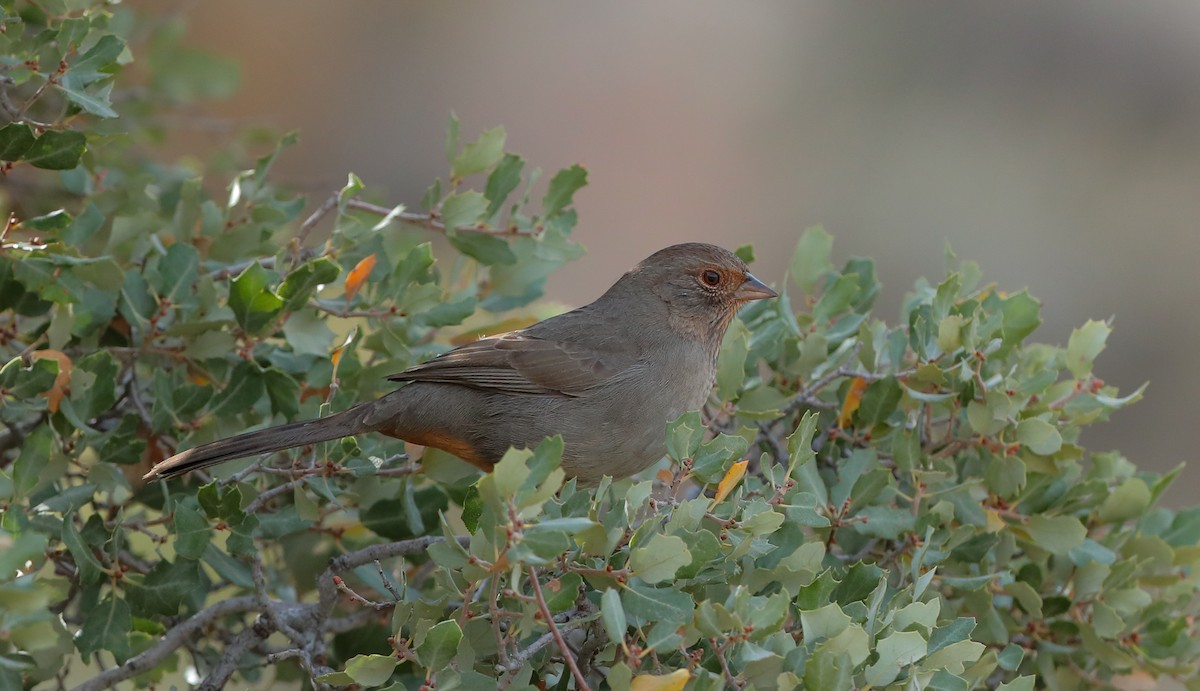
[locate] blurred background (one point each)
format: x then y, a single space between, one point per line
1056 143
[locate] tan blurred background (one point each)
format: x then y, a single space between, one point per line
1057 144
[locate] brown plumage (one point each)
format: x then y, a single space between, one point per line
607 376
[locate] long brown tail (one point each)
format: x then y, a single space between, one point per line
344 424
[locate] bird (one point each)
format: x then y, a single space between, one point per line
606 376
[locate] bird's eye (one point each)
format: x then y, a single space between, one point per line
711 278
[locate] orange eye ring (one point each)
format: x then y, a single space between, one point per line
710 278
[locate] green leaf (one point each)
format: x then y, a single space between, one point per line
254 305
1010 658
879 401
480 155
811 260
106 627
98 62
684 435
1128 501
836 298
463 209
56 150
562 189
644 604
175 273
731 363
716 454
1085 344
95 101
612 615
487 249
502 181
828 670
306 332
15 139
439 646
1026 597
388 517
826 622
192 532
28 382
283 392
1039 436
165 588
1057 534
1022 314
300 284
958 630
659 558
90 568
366 670
245 387
1025 683
885 522
93 385
896 652
906 449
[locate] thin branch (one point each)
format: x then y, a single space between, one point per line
248 638
351 560
311 222
430 221
175 637
568 656
239 267
268 495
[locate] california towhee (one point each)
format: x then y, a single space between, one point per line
607 377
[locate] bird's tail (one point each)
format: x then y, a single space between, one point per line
289 436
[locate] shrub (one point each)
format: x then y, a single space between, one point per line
863 505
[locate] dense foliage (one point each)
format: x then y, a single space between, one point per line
860 505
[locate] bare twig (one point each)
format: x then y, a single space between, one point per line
387 582
270 494
351 560
311 222
568 656
175 637
248 638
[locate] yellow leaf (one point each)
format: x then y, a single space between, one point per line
733 476
853 398
663 682
994 522
358 276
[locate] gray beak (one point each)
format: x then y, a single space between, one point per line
753 289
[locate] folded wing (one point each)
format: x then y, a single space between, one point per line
519 363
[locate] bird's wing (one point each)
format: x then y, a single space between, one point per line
521 363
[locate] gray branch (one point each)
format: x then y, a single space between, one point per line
175 637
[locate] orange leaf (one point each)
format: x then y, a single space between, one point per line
853 398
337 352
358 276
732 476
55 393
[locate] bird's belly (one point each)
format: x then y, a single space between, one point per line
616 432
